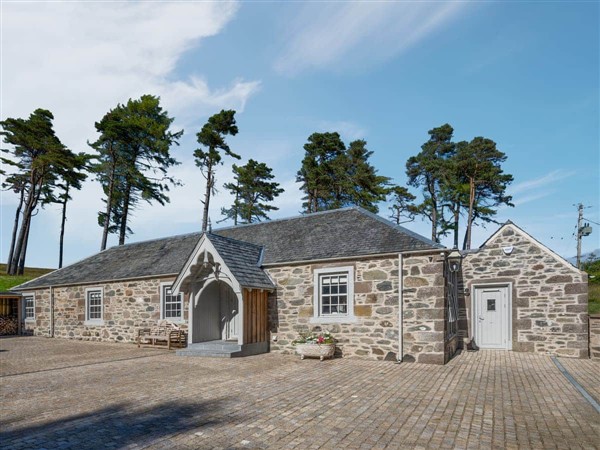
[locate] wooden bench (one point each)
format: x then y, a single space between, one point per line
163 333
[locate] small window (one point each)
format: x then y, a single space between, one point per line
491 305
171 305
29 306
93 306
334 289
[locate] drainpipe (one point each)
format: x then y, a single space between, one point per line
400 309
51 311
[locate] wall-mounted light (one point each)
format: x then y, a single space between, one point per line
454 259
508 250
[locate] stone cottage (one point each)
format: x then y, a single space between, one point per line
382 290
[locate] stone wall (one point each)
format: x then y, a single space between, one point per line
127 306
373 333
595 336
549 296
424 309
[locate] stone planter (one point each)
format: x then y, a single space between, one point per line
320 351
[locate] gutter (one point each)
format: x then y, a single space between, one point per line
400 308
52 311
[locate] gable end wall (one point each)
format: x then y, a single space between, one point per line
549 297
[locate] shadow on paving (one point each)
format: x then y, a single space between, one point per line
114 427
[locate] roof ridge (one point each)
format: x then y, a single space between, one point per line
283 219
145 241
211 234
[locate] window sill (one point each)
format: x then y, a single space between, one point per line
30 320
334 319
94 323
177 321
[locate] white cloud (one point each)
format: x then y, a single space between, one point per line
347 129
338 35
79 59
540 182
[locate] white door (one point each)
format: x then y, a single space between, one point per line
492 317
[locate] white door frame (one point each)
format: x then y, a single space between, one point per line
508 314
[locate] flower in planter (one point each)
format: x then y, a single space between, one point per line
315 338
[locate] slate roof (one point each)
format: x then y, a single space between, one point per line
333 234
156 257
339 233
244 261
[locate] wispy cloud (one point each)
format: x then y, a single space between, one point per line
79 59
328 36
347 129
540 182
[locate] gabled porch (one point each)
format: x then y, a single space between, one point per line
228 311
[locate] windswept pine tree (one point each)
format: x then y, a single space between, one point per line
334 176
402 205
133 161
426 170
212 138
37 160
253 191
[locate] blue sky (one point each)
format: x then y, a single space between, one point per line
523 74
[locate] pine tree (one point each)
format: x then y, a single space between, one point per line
426 169
212 138
253 191
134 158
37 157
334 176
403 209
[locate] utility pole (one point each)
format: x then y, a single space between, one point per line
583 229
579 223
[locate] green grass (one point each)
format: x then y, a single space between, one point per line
9 281
594 298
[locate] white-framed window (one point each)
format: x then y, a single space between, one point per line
29 307
171 306
334 295
94 306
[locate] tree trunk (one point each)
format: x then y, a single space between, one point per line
209 181
123 224
62 227
467 241
21 268
14 232
14 262
456 221
109 201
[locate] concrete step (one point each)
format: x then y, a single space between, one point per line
223 349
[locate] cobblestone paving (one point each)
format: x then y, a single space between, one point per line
479 400
587 374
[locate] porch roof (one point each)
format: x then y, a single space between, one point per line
243 260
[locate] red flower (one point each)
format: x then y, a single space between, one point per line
321 339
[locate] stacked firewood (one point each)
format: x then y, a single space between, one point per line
8 325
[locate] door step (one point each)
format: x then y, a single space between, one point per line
223 349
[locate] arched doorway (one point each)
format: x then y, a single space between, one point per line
216 313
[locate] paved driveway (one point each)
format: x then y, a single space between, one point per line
63 394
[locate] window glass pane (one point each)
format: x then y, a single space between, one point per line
343 288
325 280
172 305
325 290
326 309
343 279
334 289
94 305
491 305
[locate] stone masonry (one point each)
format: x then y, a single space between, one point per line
374 332
595 336
424 308
549 296
127 306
